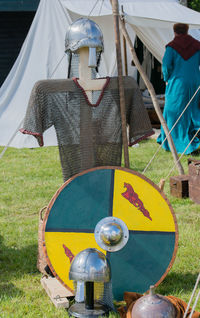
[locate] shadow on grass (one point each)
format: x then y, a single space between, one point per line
15 262
177 282
9 290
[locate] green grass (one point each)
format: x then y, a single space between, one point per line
28 180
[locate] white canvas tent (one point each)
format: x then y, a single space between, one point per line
42 54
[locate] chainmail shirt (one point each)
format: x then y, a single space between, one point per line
89 134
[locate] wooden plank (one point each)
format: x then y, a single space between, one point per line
58 294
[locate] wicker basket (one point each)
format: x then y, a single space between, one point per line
41 260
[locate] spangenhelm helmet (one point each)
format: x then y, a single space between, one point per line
90 265
85 33
91 273
153 306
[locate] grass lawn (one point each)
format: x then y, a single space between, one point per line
28 180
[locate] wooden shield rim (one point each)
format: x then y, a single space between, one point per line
108 168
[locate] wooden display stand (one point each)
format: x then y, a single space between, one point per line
179 186
194 180
184 186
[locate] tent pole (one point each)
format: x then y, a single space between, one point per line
124 47
154 99
115 10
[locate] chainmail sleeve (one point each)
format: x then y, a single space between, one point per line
38 114
139 125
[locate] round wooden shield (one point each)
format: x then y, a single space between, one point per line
92 195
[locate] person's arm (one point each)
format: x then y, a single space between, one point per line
167 63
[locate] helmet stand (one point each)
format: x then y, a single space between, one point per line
88 308
90 266
85 80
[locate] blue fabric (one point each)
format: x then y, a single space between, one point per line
183 78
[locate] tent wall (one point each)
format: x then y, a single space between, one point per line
16 17
42 54
14 27
37 60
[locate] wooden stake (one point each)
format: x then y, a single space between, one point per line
162 184
154 99
115 9
124 49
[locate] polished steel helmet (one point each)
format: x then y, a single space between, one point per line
153 306
84 33
90 265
